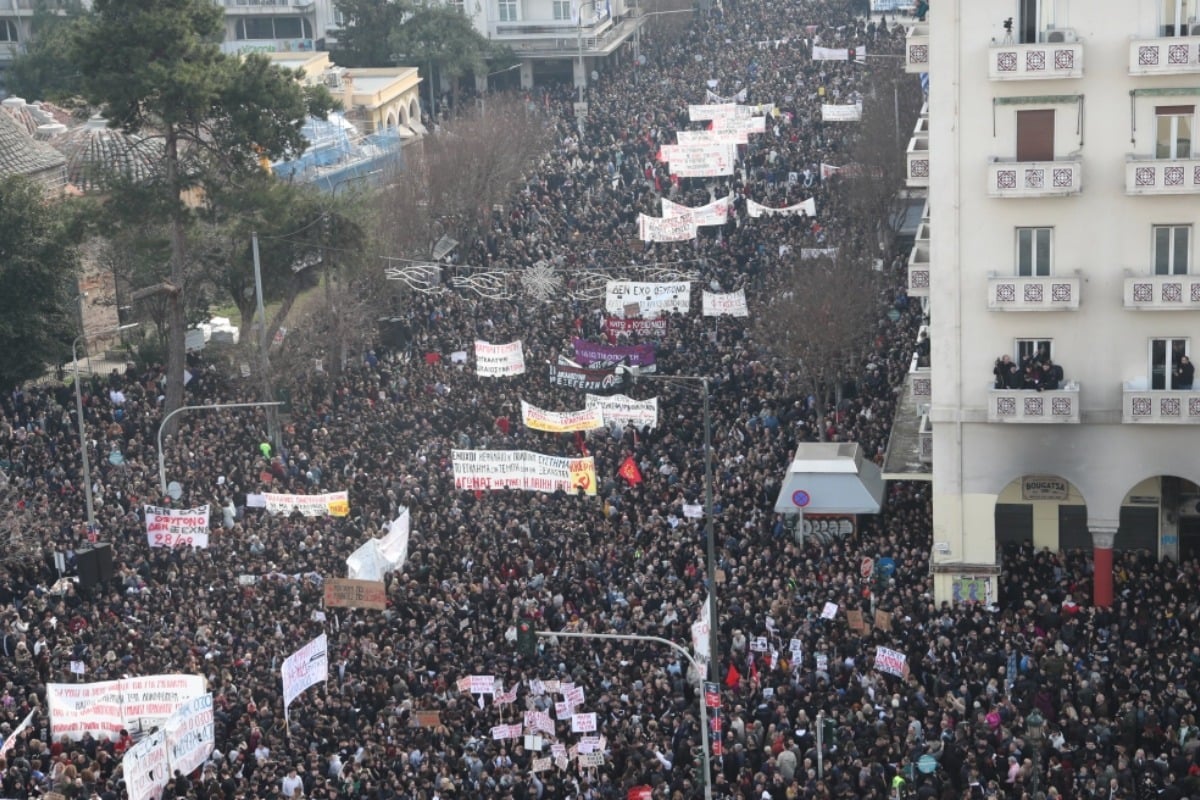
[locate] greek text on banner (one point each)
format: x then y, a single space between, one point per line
560 422
174 527
332 504
488 470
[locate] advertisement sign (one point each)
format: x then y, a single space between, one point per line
1044 487
490 470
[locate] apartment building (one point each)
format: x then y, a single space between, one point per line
1063 175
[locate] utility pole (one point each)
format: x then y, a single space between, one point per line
264 360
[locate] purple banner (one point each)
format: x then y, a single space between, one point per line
636 355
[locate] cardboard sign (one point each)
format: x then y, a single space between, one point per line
854 618
883 620
425 719
350 593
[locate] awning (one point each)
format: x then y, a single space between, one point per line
830 478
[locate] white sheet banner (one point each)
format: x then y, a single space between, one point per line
838 54
711 111
701 630
105 707
686 138
330 504
560 421
176 527
817 252
739 125
890 661
14 737
665 229
625 410
729 304
487 470
191 734
714 213
145 767
756 210
499 360
700 160
841 113
306 667
647 299
394 546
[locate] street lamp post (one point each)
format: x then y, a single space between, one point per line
710 542
83 441
579 37
162 460
632 637
1035 730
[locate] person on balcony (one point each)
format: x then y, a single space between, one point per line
1008 375
1051 377
1185 373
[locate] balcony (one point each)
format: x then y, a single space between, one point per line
1030 62
1026 179
547 37
917 162
916 48
1025 406
921 380
1161 176
1020 293
918 270
925 440
1169 55
253 7
1162 292
1170 407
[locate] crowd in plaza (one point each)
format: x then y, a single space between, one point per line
1115 686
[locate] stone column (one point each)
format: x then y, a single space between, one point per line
1103 534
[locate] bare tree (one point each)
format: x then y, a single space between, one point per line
815 320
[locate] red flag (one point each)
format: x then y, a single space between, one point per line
753 669
733 677
580 443
630 472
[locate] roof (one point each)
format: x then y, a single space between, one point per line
95 150
21 154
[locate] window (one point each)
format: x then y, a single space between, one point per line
1033 252
1172 249
274 28
1173 131
458 6
562 9
8 31
1035 17
339 18
1165 358
1035 135
508 10
1034 348
1175 16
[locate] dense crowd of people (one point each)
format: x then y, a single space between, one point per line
1116 686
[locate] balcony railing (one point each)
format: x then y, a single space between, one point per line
916 48
918 270
1169 55
925 440
1020 293
1043 61
1159 176
1171 407
917 162
1163 292
921 379
1023 405
1025 179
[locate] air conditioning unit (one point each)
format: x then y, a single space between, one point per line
1061 36
1194 30
1189 507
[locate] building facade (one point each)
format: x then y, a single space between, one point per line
1064 196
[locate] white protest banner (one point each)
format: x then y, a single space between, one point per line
106 707
587 760
560 421
394 546
693 510
145 767
583 723
838 54
737 130
306 667
756 210
481 684
890 661
822 662
489 470
665 229
574 695
650 299
499 360
625 410
714 213
191 734
759 645
78 668
829 611
540 765
841 113
171 527
697 137
330 504
701 630
807 253
728 304
563 710
700 160
828 170
14 737
700 113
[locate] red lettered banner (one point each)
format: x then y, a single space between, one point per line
169 527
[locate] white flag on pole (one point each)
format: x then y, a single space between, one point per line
304 668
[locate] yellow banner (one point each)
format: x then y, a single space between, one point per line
561 422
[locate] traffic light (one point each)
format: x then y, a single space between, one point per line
852 55
526 638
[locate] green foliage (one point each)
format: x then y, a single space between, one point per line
44 71
445 37
38 266
365 40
